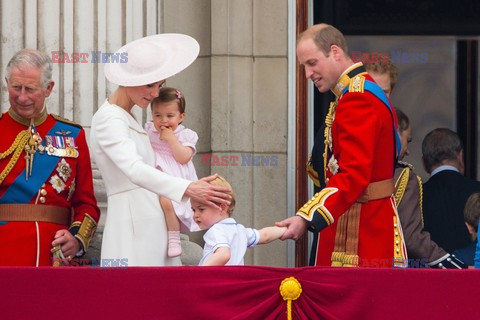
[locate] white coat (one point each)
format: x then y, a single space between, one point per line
135 227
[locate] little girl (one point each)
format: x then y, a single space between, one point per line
174 147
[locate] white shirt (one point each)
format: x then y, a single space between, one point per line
443 168
228 233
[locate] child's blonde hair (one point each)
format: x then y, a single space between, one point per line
471 213
220 181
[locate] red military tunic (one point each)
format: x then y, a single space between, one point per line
65 183
361 151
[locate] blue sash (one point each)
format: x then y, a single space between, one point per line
21 190
374 89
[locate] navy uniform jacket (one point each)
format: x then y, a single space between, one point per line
444 198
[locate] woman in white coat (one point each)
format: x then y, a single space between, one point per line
135 232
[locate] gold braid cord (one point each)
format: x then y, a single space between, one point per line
401 185
16 148
420 197
328 134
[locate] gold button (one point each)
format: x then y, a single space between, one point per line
396 234
42 199
43 192
397 242
395 225
398 250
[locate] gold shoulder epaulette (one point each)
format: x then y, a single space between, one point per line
357 84
405 164
58 118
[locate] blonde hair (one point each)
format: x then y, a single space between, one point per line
472 210
221 182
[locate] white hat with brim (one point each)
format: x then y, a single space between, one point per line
151 59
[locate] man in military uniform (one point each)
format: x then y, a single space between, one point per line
46 177
355 211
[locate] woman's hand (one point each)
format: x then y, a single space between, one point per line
208 194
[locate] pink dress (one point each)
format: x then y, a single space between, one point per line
165 162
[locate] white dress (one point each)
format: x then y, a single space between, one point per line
228 233
135 227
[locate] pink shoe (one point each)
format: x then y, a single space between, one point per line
174 244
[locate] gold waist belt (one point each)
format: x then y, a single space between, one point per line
345 252
32 212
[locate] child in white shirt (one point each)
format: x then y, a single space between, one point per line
226 241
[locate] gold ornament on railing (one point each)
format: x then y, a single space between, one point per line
290 289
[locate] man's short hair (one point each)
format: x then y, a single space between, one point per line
382 66
33 58
439 145
324 36
403 121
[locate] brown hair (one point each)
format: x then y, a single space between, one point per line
440 145
382 66
168 94
324 36
471 213
403 121
220 181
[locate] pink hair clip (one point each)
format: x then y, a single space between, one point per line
178 94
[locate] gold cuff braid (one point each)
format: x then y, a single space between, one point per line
86 231
308 210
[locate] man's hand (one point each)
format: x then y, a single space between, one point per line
296 227
68 243
208 194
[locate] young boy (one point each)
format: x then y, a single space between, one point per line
471 215
226 241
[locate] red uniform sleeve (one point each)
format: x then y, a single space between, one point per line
85 210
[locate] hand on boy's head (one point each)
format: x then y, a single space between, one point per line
208 194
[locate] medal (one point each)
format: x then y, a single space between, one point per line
64 170
61 146
57 183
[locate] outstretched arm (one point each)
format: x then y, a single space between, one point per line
270 234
